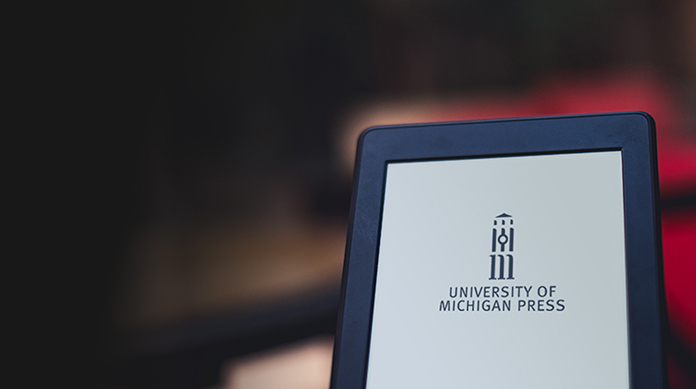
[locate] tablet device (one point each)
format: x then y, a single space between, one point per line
520 253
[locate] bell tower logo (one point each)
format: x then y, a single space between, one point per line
503 244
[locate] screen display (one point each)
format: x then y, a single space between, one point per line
504 272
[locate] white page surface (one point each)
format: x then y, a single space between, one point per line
439 319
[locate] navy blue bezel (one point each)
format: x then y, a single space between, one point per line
632 132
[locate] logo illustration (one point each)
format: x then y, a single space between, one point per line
503 243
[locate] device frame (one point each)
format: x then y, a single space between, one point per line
633 133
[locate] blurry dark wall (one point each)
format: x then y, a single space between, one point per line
230 94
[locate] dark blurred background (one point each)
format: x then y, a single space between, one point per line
219 160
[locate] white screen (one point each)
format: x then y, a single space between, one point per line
563 215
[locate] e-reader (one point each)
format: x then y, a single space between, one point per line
516 253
